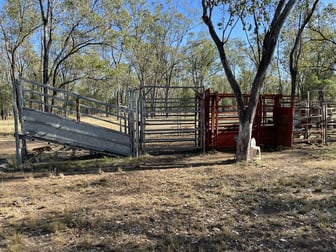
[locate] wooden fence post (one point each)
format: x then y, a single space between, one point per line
16 123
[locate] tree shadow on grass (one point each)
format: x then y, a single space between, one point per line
47 165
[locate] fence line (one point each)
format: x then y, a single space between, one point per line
67 104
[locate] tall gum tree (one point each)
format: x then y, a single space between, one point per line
17 24
69 30
200 61
322 34
265 19
303 16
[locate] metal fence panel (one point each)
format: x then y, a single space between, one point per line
170 118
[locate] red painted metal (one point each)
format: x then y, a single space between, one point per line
273 123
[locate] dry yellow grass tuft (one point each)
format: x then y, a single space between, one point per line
7 126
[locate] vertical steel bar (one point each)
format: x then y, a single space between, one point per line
203 122
137 119
142 119
77 109
324 122
195 119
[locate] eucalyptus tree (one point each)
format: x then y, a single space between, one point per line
68 29
323 32
243 62
101 75
155 41
318 60
106 67
29 61
139 53
265 20
323 36
18 22
200 61
303 15
5 87
167 37
113 52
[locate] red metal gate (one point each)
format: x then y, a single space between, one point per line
273 123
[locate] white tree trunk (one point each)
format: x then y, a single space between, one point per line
243 141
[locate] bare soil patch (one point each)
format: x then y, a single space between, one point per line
181 202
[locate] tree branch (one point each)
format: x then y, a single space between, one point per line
230 76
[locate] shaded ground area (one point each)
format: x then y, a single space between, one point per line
182 202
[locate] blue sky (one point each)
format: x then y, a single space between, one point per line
196 5
193 8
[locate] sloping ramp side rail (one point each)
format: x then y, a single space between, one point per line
53 128
56 115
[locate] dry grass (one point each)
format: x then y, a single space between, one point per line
7 126
7 142
185 202
110 122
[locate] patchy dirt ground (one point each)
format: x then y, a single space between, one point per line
183 202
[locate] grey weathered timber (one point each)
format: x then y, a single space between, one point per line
56 129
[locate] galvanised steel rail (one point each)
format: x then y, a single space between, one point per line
170 120
70 119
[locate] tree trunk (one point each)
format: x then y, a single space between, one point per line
46 44
297 49
243 140
271 36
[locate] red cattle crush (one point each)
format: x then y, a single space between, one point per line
273 123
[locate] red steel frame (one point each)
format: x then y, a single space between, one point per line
273 123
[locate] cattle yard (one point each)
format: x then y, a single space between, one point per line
158 119
179 201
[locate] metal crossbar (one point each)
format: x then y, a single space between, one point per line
170 120
71 119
